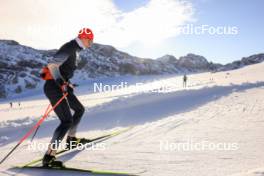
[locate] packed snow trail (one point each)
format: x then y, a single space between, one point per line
228 109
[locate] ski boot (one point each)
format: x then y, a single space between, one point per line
50 161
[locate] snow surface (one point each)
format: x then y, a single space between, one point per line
223 107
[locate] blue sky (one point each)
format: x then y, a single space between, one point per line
246 15
129 5
144 28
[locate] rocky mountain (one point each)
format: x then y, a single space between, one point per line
20 65
254 59
194 62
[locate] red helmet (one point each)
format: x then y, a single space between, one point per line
86 33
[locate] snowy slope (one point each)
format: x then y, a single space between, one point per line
216 108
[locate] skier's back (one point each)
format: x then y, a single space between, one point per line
57 75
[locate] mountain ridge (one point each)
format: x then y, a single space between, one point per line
20 65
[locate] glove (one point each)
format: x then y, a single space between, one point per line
64 87
70 88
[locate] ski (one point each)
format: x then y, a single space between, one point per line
90 171
94 140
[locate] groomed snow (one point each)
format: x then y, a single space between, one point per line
215 108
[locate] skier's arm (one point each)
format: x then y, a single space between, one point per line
59 58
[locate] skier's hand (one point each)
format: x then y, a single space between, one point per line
71 87
64 87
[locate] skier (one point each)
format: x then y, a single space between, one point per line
57 75
184 81
11 104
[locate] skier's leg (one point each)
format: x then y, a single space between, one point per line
63 112
78 108
65 116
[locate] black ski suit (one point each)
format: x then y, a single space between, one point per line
62 69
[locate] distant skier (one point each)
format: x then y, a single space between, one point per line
11 104
185 81
57 75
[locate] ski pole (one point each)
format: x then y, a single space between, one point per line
33 128
34 134
39 125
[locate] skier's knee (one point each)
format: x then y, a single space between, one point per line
80 111
67 124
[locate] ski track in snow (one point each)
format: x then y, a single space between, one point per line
227 109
